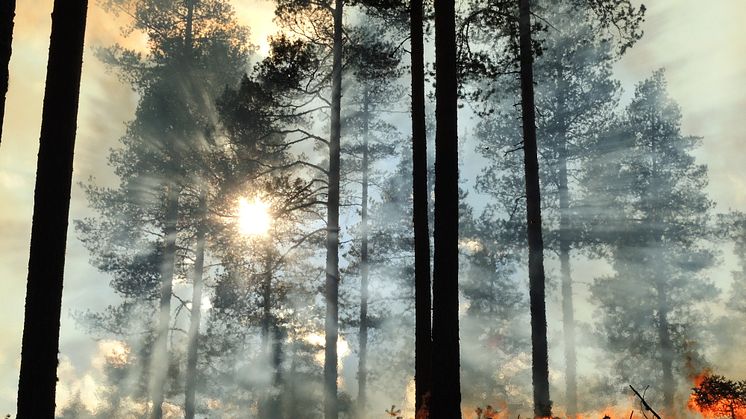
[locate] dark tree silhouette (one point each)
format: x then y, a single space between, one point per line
422 286
331 326
41 328
446 388
539 350
716 395
7 13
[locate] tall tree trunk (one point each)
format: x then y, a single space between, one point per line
540 362
446 385
7 13
196 313
362 372
267 342
292 407
41 327
266 305
331 326
420 212
565 242
568 313
275 408
160 362
664 335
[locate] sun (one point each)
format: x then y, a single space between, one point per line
253 217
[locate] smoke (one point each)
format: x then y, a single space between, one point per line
109 375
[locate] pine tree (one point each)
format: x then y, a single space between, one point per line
300 63
254 121
539 346
652 211
331 329
374 64
192 56
494 321
574 96
392 303
736 231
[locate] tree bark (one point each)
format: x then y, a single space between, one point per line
7 13
446 387
41 327
540 362
331 326
196 314
362 374
420 212
160 362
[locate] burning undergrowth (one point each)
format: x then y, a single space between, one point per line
715 396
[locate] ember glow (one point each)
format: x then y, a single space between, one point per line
253 217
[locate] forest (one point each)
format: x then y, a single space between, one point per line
384 209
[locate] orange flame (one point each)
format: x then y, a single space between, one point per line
722 408
613 412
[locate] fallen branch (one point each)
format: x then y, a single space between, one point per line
644 403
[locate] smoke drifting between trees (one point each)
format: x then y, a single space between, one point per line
269 237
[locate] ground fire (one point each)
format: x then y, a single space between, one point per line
715 396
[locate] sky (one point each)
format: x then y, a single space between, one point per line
702 46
